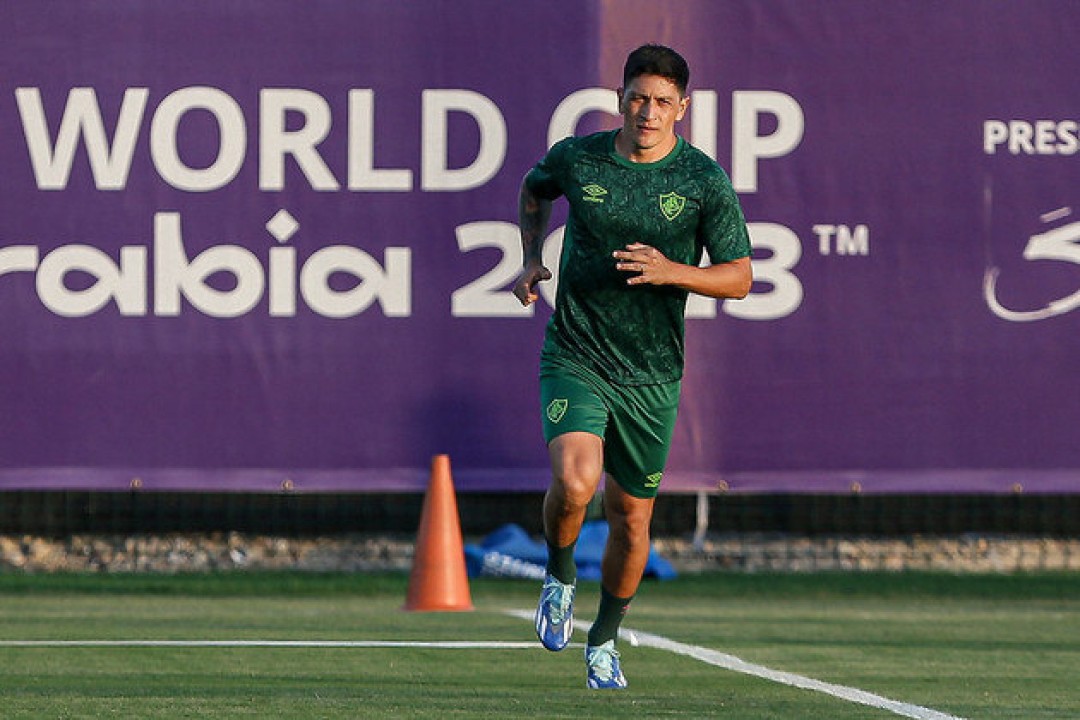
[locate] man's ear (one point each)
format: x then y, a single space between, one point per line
684 104
619 94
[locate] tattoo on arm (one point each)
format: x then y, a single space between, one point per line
533 216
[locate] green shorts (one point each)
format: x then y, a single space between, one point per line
636 422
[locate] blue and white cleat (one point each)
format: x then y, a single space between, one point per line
603 664
555 614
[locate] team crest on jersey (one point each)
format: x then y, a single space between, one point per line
593 193
556 409
671 204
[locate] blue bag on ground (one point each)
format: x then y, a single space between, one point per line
510 552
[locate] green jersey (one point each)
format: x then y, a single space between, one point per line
683 205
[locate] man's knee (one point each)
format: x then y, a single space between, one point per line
577 464
629 519
573 492
629 530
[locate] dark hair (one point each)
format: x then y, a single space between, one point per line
653 59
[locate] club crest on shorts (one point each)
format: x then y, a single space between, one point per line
556 409
671 204
653 480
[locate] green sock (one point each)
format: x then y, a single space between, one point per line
560 564
608 618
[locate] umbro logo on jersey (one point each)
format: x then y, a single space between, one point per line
593 193
671 204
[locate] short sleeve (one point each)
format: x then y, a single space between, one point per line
544 180
723 227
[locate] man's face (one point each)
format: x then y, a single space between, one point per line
650 106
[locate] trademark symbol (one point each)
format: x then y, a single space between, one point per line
843 239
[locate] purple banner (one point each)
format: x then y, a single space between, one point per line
268 245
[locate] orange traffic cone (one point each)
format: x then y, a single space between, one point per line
438 581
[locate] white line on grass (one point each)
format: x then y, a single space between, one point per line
735 664
712 657
447 645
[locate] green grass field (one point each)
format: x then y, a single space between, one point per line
974 647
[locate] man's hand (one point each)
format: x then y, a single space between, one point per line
525 287
651 266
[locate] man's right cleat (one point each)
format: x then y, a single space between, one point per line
602 662
555 614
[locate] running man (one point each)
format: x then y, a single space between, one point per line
644 205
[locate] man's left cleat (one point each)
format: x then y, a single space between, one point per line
602 662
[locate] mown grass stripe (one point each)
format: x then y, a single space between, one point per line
735 664
731 662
